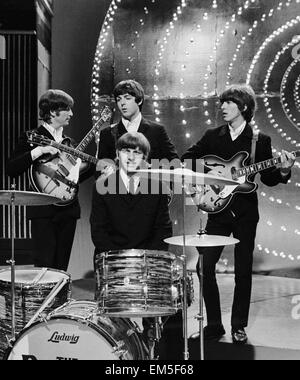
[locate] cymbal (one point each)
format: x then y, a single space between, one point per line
202 241
190 177
26 198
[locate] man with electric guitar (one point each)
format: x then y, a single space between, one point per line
235 151
54 173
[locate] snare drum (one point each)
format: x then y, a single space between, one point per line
32 286
77 331
135 283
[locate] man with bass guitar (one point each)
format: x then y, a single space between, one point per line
235 213
52 227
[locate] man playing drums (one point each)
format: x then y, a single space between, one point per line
130 212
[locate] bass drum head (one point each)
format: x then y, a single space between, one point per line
75 338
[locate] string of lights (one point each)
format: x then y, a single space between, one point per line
284 87
270 116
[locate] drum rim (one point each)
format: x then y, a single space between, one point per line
139 313
135 253
109 339
67 275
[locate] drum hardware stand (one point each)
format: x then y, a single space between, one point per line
59 286
12 263
154 336
200 316
184 259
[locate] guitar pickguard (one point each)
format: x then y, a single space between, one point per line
57 177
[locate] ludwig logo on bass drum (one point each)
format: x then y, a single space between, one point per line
58 338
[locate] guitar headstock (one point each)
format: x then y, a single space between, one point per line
36 139
106 114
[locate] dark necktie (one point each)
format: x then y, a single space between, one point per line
131 186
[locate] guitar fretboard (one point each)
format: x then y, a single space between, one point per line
260 166
106 113
74 152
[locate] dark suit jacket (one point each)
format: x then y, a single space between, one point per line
20 162
161 145
123 221
219 142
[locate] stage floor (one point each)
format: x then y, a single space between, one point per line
274 316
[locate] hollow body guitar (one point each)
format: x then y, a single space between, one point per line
59 175
214 199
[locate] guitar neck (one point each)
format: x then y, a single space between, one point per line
74 152
260 166
89 137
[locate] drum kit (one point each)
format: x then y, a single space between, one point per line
38 319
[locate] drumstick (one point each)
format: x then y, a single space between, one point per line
48 300
39 276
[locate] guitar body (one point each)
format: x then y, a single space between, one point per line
215 199
57 176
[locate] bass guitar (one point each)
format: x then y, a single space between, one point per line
215 199
59 175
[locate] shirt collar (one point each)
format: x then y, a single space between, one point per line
125 179
235 133
132 125
56 133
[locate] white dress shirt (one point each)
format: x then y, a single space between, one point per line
133 125
235 133
126 179
56 133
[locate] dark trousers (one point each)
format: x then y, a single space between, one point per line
53 241
244 230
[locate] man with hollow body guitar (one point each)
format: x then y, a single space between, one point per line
52 227
241 215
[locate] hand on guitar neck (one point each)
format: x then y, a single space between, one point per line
287 162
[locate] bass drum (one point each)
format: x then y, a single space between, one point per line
77 331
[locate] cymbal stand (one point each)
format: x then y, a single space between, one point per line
200 316
184 257
12 209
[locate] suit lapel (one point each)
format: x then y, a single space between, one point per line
44 132
143 126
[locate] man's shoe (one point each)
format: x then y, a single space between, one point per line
239 336
212 333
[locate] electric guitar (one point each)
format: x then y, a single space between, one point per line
215 199
59 175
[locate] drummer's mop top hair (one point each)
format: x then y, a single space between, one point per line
133 141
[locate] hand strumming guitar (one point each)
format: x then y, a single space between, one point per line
41 150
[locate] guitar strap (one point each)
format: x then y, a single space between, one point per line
254 143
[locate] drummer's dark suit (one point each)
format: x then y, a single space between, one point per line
240 218
52 227
161 145
124 221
